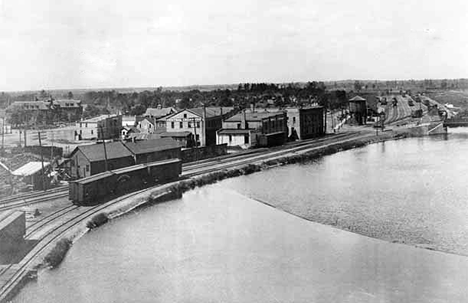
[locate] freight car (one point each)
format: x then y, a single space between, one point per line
96 188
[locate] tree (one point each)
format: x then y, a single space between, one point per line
70 95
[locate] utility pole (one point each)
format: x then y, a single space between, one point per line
196 142
42 161
105 151
3 135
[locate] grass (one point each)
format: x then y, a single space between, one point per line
57 254
248 169
97 220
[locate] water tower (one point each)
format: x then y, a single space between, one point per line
358 109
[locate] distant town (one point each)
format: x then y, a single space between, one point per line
62 133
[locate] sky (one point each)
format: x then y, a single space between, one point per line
146 43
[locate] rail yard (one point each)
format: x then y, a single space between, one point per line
63 212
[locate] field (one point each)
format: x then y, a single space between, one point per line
459 98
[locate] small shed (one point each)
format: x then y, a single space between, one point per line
31 173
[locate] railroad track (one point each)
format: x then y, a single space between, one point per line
27 195
87 212
34 200
300 148
33 228
50 237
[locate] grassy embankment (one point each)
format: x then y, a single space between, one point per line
214 177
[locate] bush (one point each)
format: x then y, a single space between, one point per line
57 254
97 220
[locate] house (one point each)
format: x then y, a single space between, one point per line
68 109
146 125
101 127
154 150
252 128
201 122
127 131
128 121
159 112
305 122
87 160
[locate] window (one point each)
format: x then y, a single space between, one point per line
294 119
92 132
181 124
189 124
238 125
86 124
172 124
87 168
197 137
198 124
185 116
230 138
246 139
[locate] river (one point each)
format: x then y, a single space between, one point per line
219 244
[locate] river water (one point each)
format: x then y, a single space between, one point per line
219 244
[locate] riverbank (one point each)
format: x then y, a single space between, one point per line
175 189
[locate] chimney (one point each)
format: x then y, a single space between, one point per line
243 120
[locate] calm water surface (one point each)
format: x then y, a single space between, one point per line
217 244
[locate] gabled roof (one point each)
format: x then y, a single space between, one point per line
159 112
148 120
150 146
42 105
95 152
357 98
30 169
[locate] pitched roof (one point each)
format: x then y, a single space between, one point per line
150 146
159 112
357 98
43 105
95 152
30 168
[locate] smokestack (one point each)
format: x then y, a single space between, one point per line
243 120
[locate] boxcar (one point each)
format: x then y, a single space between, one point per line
93 189
163 171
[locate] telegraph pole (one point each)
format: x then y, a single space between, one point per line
105 151
42 161
3 135
196 142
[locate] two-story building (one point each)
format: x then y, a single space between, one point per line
251 128
146 126
201 123
101 127
306 122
